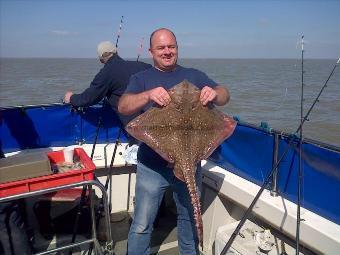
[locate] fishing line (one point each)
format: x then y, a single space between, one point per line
283 100
250 208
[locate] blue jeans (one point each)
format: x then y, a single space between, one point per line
150 187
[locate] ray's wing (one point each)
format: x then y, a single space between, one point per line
221 127
156 130
212 127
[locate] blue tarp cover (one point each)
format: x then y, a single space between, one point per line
247 153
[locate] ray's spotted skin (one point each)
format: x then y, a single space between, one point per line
183 133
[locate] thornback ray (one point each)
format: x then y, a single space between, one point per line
183 133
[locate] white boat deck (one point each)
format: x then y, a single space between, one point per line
225 196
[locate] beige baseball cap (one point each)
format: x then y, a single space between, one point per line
105 46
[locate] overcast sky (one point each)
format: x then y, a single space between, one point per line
204 29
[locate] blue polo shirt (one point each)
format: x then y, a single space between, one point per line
153 78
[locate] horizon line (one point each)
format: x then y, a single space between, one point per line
198 58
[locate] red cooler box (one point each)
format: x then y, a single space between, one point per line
52 180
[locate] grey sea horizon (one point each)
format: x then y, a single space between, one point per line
262 90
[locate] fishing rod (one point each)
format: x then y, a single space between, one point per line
140 49
119 31
101 204
268 178
96 137
298 215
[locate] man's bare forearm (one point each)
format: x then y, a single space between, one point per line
131 103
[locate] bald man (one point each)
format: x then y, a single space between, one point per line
154 174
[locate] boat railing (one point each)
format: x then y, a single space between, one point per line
88 183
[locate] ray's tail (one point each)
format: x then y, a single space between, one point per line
195 201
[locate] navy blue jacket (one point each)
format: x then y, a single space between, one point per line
110 82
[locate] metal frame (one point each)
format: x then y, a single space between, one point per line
108 249
274 190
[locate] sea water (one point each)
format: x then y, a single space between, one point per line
262 90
